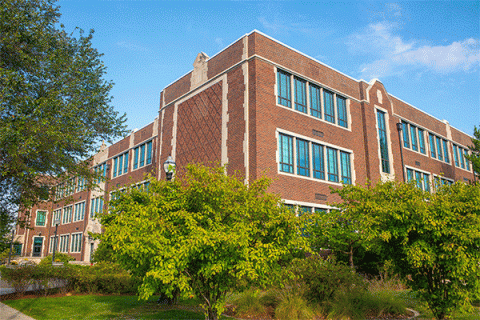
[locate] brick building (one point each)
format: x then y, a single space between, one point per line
264 109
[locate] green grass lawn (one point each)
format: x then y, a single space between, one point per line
103 307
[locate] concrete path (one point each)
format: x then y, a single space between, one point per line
8 313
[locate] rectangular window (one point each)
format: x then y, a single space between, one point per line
315 101
286 153
382 134
467 163
421 140
120 164
328 105
96 207
406 138
149 152
76 242
445 151
332 165
142 155
439 148
67 214
345 165
101 170
79 211
431 138
418 178
304 210
409 175
300 95
318 161
342 111
135 158
413 134
462 159
284 91
115 164
41 217
455 155
64 240
426 182
303 165
53 244
57 214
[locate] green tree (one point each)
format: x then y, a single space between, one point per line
474 157
205 233
55 106
432 238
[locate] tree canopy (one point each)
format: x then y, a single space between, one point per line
55 105
432 238
205 233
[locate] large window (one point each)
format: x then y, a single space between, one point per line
322 103
96 206
413 137
327 162
64 240
439 148
433 152
459 154
142 155
76 242
57 214
67 214
406 137
101 170
120 164
382 136
421 140
41 218
81 184
422 179
53 244
413 134
79 211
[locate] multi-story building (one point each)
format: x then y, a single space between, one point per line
264 109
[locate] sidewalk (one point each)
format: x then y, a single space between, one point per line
8 313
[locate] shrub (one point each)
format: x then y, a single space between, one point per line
59 257
293 307
248 302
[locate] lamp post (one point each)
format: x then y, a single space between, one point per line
55 240
400 129
169 167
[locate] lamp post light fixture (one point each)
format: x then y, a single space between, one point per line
169 167
55 240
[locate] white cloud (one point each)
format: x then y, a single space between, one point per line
394 55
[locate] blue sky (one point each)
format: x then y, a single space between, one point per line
426 53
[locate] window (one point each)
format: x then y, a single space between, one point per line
303 165
17 249
328 104
318 161
96 206
406 139
101 170
304 210
120 164
422 180
57 214
284 90
81 185
41 217
67 214
142 155
332 165
462 159
336 163
315 101
439 148
433 153
467 163
441 181
53 244
300 95
79 211
421 140
59 189
286 153
76 242
413 134
69 187
455 155
445 151
64 239
342 111
382 135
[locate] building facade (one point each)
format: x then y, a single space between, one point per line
263 108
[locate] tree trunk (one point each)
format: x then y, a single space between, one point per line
350 258
211 314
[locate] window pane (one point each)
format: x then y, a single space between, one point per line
426 182
300 95
433 153
135 158
342 111
328 105
283 82
382 134
467 163
445 151
421 140
413 134
462 159
455 155
418 178
125 163
332 165
302 210
409 175
439 148
303 165
315 102
142 155
406 139
120 164
345 165
41 218
149 152
286 153
318 161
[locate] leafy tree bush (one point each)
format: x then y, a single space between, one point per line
204 233
59 257
432 238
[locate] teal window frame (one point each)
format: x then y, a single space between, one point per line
455 155
382 135
315 101
445 151
439 148
342 111
332 164
406 137
467 163
328 104
421 141
345 165
41 218
286 153
300 86
284 91
318 160
413 135
303 158
433 152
